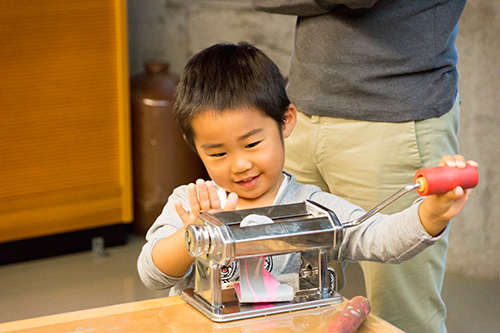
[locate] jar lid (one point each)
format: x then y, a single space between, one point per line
156 66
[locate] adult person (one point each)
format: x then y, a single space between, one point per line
377 81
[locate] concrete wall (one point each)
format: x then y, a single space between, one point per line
174 30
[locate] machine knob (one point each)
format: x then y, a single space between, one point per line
197 240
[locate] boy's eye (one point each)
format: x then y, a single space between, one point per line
217 155
253 144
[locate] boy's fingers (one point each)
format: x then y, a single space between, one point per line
181 212
459 161
458 192
193 198
203 195
212 195
473 163
456 161
232 202
444 160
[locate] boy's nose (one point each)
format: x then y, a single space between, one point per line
240 164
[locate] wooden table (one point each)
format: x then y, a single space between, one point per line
172 314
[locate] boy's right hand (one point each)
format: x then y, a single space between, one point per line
436 210
203 197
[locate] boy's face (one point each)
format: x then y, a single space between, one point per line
243 152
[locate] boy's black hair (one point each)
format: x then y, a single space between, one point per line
227 76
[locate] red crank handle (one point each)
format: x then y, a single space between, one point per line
428 181
442 179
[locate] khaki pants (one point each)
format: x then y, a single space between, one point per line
366 162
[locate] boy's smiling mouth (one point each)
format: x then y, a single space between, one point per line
248 182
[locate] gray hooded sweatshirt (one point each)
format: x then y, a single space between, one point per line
382 238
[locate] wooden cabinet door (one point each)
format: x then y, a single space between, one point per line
65 160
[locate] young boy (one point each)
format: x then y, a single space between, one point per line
234 112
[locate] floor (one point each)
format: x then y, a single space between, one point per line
95 278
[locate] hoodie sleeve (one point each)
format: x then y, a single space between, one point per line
167 223
382 238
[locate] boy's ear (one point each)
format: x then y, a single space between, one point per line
290 121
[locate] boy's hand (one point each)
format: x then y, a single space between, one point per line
203 197
436 210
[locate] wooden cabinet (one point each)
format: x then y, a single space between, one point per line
65 161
